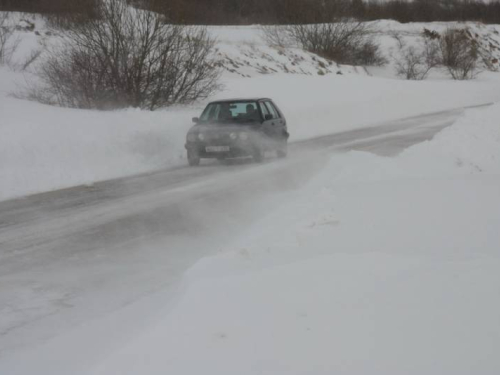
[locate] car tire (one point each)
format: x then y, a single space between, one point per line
193 158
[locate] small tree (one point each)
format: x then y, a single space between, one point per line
8 43
459 54
411 66
128 57
416 62
368 54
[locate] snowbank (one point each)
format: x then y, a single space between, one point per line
45 148
380 265
42 148
487 38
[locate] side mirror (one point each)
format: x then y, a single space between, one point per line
196 120
268 117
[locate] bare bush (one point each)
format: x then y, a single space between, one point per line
431 51
455 50
410 65
30 59
128 58
345 41
275 36
8 43
369 54
416 62
459 53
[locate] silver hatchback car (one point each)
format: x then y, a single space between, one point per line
237 128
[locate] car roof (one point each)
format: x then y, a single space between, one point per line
239 100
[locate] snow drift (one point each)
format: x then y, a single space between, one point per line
379 265
45 148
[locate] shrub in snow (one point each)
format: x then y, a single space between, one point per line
275 36
127 58
459 53
345 41
410 65
8 44
416 62
368 54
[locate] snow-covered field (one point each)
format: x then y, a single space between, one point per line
44 148
379 265
376 266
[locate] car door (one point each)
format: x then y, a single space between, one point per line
278 122
267 125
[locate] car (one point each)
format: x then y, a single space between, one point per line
238 128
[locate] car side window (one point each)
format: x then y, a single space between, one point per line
273 110
264 109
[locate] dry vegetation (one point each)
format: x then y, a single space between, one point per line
58 13
203 12
330 33
455 50
459 54
8 43
345 41
114 56
127 58
416 62
311 11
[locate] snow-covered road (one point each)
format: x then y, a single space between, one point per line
70 256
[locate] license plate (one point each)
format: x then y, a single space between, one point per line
217 149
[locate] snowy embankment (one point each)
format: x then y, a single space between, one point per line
45 148
378 265
486 37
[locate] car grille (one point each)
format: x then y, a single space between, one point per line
217 137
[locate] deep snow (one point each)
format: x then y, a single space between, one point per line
379 265
45 148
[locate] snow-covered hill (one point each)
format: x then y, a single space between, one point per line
369 264
44 148
487 38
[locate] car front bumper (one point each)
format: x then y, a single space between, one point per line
221 150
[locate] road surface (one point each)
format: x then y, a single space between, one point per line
71 256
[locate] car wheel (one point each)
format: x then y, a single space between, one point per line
193 158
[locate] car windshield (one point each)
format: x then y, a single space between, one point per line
231 112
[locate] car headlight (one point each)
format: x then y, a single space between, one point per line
191 137
201 136
233 136
243 136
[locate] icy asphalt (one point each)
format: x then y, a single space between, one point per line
67 257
